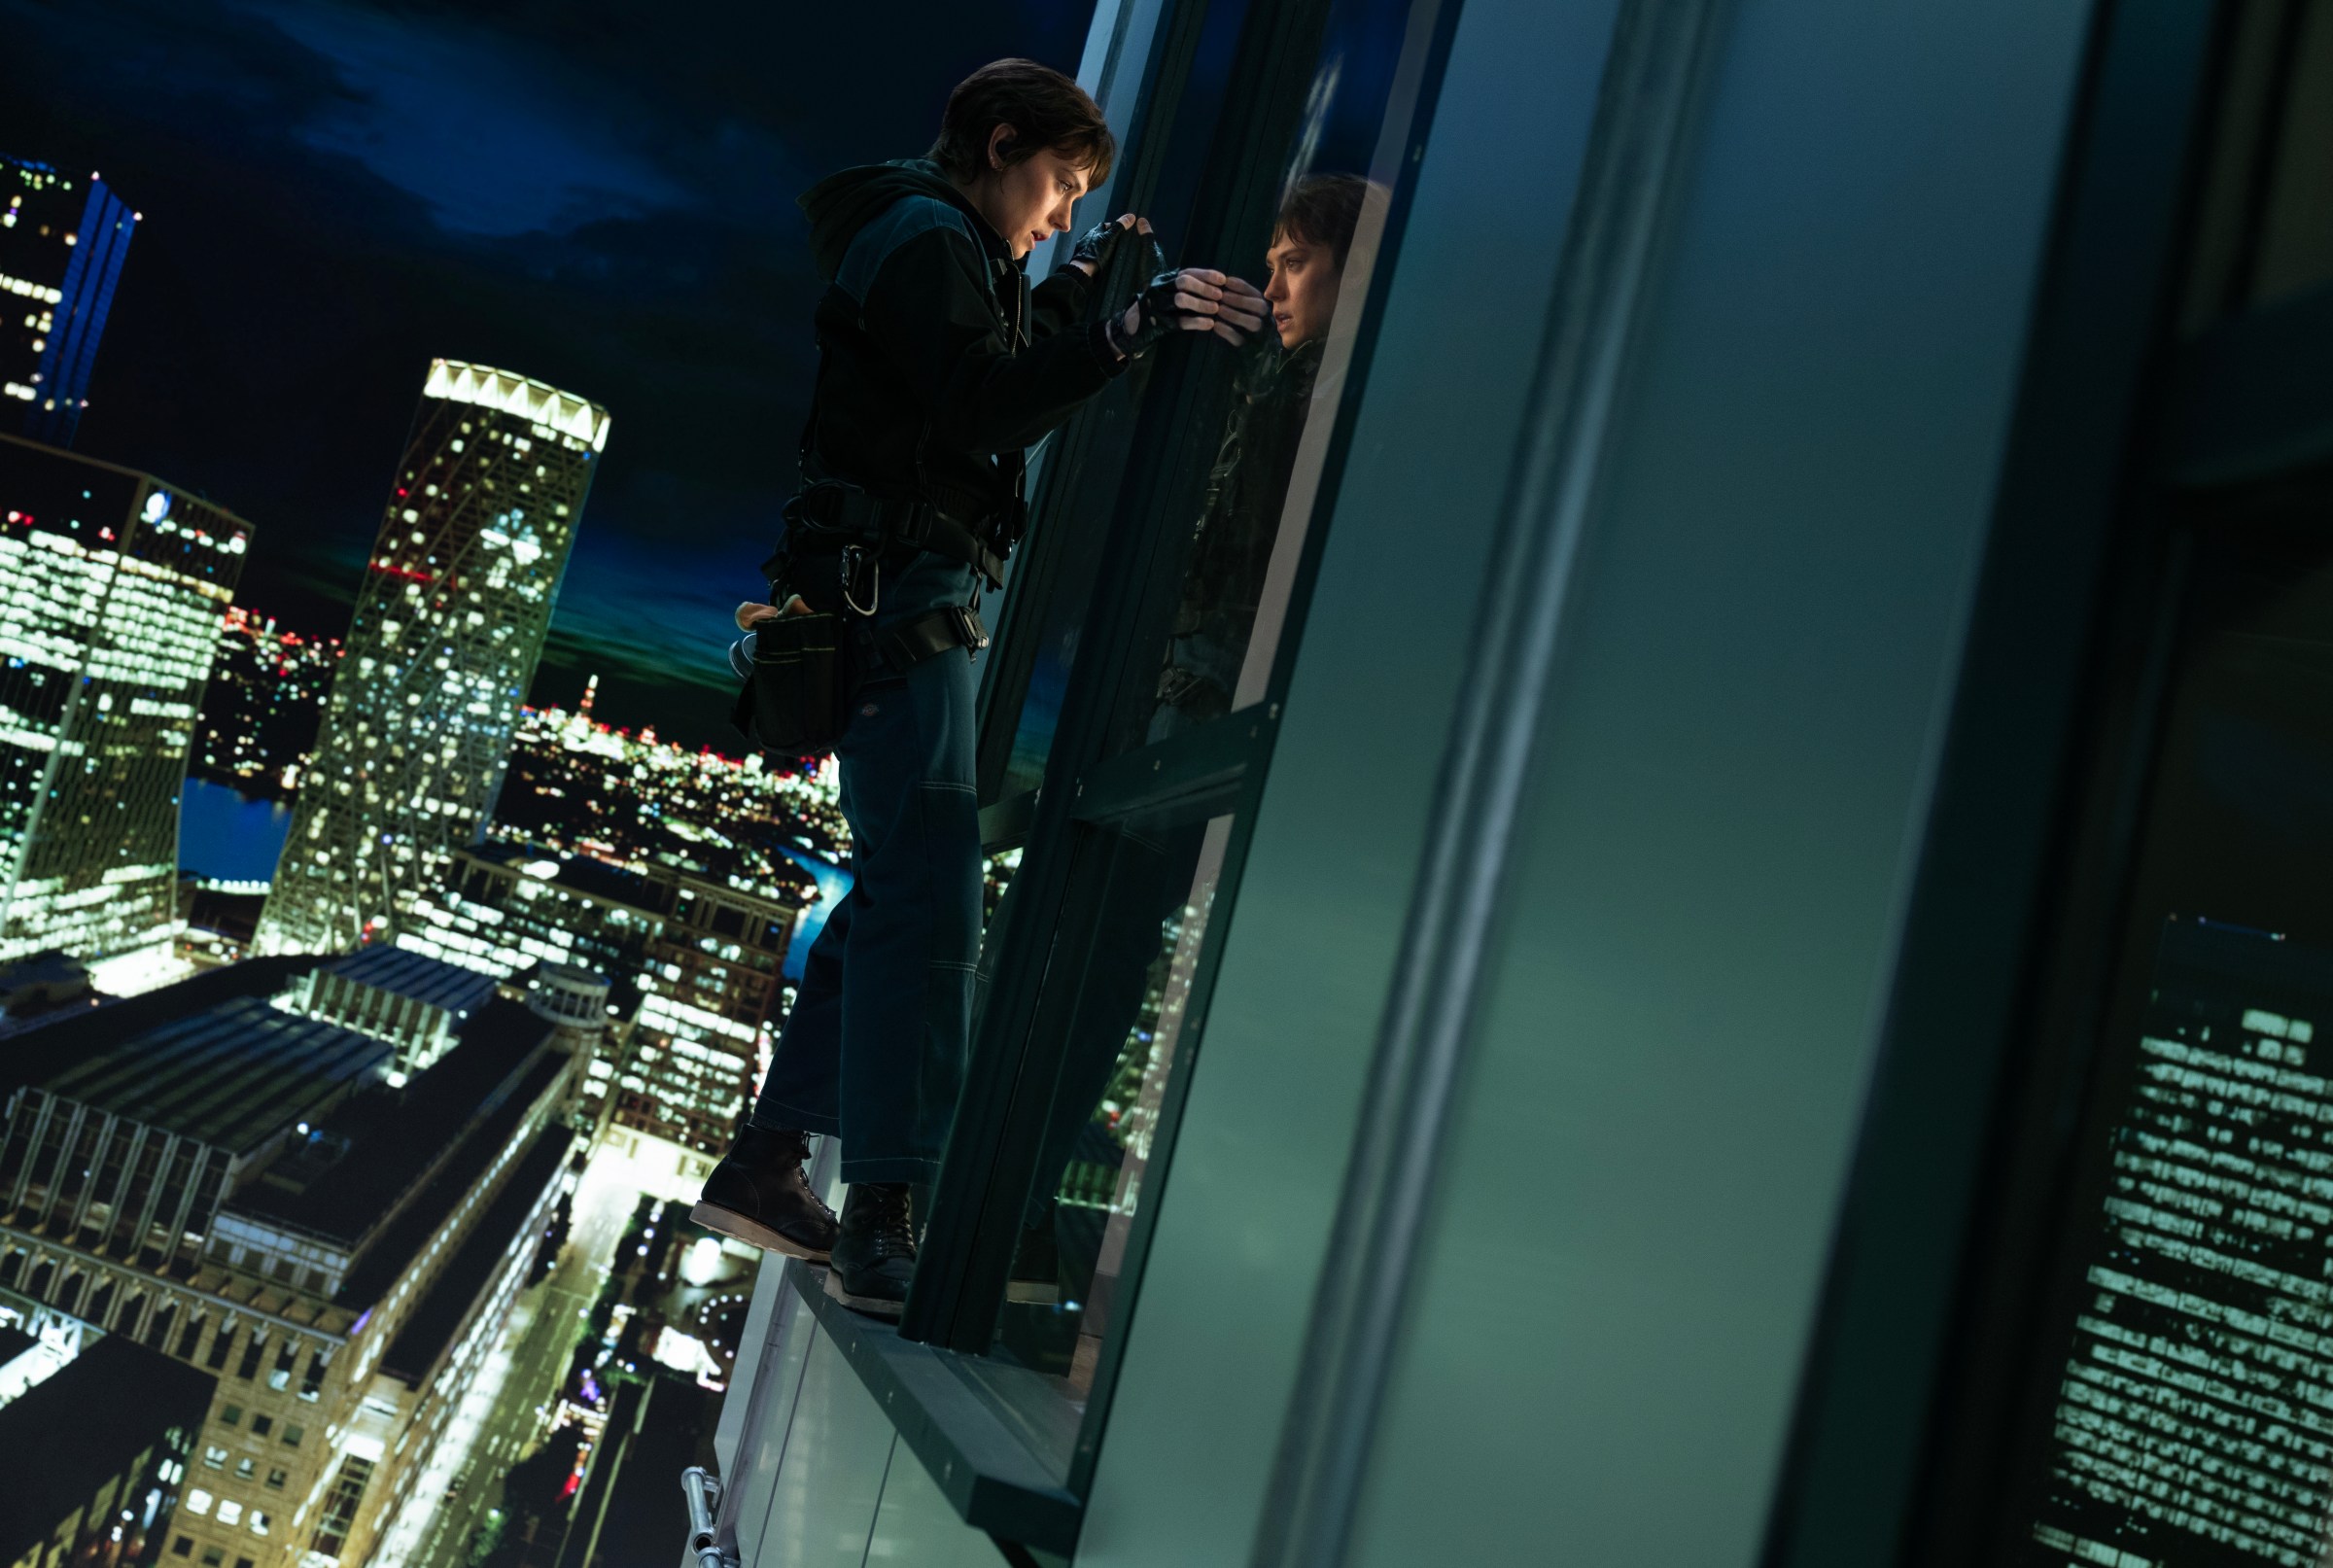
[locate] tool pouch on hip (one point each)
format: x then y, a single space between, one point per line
799 697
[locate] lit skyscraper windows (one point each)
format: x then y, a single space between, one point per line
2192 1422
111 589
63 242
449 626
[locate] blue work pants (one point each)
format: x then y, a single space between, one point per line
874 1050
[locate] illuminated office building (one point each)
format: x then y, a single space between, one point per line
449 626
112 587
62 241
235 1185
703 963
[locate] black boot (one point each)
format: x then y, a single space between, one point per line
875 1252
760 1195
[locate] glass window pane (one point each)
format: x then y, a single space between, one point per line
2182 1416
1265 472
1083 466
1125 1039
1285 170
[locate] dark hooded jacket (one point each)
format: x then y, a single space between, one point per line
1239 523
940 364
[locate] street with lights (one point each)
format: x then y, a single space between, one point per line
508 1404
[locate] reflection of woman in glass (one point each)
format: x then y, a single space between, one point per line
1151 870
1242 514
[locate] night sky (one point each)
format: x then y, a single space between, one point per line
598 193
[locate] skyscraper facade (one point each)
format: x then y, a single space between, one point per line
63 242
449 626
111 589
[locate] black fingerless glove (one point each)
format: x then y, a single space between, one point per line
1096 245
1159 315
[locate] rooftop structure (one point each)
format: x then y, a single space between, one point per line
349 1201
449 626
521 397
40 984
435 1325
131 1149
48 1043
413 1001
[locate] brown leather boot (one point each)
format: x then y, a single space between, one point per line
758 1194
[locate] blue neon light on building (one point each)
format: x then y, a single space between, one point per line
63 242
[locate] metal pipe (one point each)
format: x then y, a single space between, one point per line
703 1489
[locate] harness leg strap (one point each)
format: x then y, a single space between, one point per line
911 641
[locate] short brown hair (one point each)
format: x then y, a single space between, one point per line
1323 209
1045 110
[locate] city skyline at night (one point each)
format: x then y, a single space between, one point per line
333 194
450 1249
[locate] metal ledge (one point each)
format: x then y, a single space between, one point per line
1200 762
961 1418
1006 823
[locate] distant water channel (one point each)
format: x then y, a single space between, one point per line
834 882
225 836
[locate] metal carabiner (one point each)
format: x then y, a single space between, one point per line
853 558
970 631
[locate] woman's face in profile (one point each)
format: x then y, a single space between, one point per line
1303 290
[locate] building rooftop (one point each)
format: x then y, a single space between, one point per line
403 1240
513 394
55 1456
232 1076
45 1045
657 891
429 981
430 1327
49 968
382 1152
595 879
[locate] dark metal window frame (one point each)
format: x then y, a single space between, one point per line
1009 1449
1097 774
1914 1401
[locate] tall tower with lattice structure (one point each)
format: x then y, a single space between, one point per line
449 626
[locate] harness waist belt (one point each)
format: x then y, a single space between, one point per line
844 510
